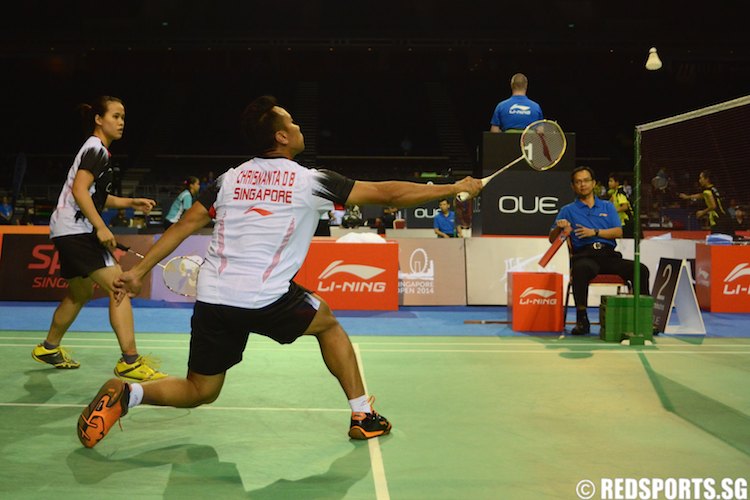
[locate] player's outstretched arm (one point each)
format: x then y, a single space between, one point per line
406 194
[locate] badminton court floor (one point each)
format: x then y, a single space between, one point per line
473 417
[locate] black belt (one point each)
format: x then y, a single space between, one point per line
595 247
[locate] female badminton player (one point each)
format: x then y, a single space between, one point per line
84 242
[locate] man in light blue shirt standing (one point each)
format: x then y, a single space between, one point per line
518 111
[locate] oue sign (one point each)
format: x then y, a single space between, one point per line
535 205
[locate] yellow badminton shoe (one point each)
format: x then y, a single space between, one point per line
142 370
57 357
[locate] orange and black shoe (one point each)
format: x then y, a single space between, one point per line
110 403
368 425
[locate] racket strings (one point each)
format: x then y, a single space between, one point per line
181 275
543 145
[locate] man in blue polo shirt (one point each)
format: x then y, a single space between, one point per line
518 111
444 222
595 226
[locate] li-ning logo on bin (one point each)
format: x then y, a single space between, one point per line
543 297
361 271
738 272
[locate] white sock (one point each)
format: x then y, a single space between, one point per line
136 395
360 404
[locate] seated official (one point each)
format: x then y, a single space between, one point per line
595 225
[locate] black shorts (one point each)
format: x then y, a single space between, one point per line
219 333
81 255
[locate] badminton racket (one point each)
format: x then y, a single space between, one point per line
543 145
180 274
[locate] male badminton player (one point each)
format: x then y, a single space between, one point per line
266 211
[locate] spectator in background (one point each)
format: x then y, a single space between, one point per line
120 220
740 219
518 111
389 215
621 201
718 220
352 217
27 218
444 222
336 215
627 188
6 211
206 181
731 208
183 201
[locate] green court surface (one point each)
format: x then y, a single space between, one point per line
473 417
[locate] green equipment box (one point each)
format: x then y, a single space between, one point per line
616 317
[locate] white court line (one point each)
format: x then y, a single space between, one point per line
202 408
113 339
376 457
623 350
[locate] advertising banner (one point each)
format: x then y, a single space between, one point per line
30 267
522 201
722 277
432 272
353 276
535 302
421 217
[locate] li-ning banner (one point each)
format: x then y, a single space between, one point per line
350 276
30 267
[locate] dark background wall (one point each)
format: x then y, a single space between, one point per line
360 77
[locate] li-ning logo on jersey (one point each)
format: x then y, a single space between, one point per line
544 297
261 211
361 271
738 272
519 109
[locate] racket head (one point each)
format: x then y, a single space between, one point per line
543 144
660 182
180 275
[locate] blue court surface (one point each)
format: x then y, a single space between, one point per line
169 317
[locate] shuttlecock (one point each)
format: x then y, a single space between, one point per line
653 62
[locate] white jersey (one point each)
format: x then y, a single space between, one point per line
266 212
67 217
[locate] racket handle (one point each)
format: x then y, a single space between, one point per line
120 246
462 196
